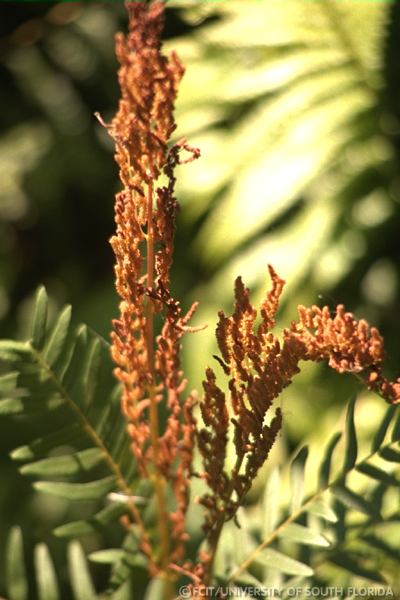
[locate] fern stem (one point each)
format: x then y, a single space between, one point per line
158 479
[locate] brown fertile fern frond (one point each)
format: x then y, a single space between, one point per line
145 212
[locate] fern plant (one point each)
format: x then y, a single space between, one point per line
63 372
123 442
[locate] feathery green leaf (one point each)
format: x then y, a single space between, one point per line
92 441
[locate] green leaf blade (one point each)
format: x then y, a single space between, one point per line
16 578
13 352
351 446
353 564
38 328
30 406
323 510
396 430
270 506
381 433
55 344
390 455
104 517
297 471
378 474
325 467
45 574
354 501
40 447
285 564
94 490
107 557
80 578
66 465
8 383
303 535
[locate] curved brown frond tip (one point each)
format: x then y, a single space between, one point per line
259 366
347 344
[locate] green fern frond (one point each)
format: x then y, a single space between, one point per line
337 526
65 374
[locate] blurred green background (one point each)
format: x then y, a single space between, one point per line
295 105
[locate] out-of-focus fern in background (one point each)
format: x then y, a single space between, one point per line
295 105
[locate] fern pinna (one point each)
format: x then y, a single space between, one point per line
95 453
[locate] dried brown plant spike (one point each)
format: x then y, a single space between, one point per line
250 358
148 366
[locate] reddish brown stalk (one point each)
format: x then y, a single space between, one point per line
150 277
159 484
145 211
